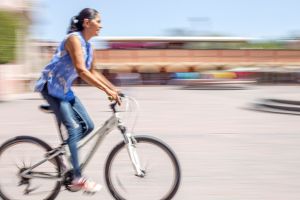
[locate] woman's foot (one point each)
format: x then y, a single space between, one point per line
86 185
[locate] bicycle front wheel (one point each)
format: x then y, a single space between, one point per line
18 155
158 161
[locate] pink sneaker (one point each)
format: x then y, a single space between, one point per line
86 185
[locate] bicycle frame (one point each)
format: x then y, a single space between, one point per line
101 132
113 122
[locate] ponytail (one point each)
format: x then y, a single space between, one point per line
77 21
75 25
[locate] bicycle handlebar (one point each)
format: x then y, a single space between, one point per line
113 105
129 103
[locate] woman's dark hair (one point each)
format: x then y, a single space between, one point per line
77 21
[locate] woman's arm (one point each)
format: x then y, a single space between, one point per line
74 48
100 77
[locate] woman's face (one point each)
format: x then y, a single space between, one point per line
93 26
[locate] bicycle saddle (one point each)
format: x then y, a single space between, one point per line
45 108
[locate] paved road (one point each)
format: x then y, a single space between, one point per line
227 152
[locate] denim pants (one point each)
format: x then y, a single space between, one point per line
75 118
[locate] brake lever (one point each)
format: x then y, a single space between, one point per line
121 94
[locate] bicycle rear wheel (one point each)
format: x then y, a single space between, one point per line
17 155
162 171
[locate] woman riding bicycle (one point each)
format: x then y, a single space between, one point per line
73 59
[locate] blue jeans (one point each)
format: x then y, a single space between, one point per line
76 120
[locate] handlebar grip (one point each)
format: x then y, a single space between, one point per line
110 98
120 95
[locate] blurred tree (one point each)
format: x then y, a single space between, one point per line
8 32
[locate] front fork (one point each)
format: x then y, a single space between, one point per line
131 149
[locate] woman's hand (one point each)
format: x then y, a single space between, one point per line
114 94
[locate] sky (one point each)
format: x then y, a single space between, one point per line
263 19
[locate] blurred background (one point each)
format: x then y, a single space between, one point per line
200 69
197 44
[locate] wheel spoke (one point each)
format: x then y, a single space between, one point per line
17 156
16 165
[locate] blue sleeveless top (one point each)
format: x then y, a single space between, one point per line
60 73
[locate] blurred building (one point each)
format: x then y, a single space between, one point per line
180 54
152 60
152 53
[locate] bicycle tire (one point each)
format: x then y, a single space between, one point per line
32 140
150 140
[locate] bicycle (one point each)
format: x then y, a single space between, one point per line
126 164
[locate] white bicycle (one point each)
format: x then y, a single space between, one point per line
30 169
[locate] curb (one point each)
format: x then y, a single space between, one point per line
280 106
